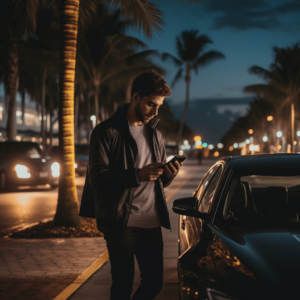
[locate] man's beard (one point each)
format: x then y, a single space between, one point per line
139 113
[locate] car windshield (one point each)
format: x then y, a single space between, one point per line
29 150
82 149
263 198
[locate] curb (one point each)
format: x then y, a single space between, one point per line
103 258
81 279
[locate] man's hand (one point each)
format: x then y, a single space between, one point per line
173 169
150 172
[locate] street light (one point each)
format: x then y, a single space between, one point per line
265 138
298 133
247 141
270 118
197 138
279 134
250 131
93 118
235 145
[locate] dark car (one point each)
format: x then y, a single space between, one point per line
81 157
22 163
239 233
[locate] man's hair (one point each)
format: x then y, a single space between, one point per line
150 82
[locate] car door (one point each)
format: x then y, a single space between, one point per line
189 227
196 265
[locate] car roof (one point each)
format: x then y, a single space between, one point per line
264 161
17 143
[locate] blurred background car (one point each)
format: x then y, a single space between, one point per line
81 157
22 164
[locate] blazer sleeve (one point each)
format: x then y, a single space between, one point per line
100 175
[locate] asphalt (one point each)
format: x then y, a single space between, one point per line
78 268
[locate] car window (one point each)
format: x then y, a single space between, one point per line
205 182
271 197
82 149
206 202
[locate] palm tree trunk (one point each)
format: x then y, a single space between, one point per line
184 111
292 126
76 116
51 124
96 103
43 135
88 120
67 204
13 82
23 105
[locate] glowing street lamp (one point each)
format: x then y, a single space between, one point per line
250 131
235 145
197 138
265 138
279 134
270 118
247 141
93 118
220 145
298 133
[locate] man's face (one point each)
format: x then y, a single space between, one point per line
147 107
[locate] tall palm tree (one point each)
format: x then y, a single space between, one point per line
145 15
191 56
17 19
283 79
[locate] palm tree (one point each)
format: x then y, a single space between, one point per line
283 80
145 15
17 19
190 50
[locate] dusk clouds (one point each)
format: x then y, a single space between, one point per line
249 14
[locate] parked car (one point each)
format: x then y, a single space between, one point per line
239 233
22 163
81 157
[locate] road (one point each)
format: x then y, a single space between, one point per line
25 206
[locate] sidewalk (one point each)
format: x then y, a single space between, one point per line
51 268
98 285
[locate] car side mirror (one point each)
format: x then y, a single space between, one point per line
188 207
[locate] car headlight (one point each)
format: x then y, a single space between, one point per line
55 169
22 171
75 165
217 295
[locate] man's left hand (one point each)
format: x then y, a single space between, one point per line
173 169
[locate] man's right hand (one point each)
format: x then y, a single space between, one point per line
150 172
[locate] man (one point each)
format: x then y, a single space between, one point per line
125 153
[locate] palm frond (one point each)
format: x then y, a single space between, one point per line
87 12
177 77
208 58
140 56
25 14
144 14
166 56
261 72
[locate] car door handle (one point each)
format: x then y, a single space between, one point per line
183 224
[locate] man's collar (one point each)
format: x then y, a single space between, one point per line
121 115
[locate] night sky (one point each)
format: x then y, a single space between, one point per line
243 30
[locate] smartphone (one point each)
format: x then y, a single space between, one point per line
179 158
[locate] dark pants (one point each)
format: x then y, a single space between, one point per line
147 245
